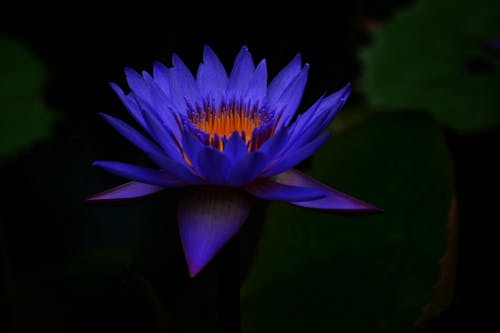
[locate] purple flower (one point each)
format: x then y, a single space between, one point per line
224 139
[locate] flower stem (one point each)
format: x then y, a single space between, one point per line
229 287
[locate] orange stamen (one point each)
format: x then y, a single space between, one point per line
231 118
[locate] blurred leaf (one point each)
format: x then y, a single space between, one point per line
433 57
24 117
322 273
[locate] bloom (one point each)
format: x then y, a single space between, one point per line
224 139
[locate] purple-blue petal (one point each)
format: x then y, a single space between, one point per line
269 189
208 218
274 145
130 104
257 88
247 169
136 138
334 202
283 79
290 99
241 74
137 85
124 193
211 77
162 134
317 119
292 158
235 148
140 174
176 169
192 146
213 165
182 86
160 75
180 170
162 107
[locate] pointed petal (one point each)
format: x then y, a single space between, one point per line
274 145
235 148
269 189
182 85
241 74
293 157
162 134
211 77
137 85
290 98
283 79
247 169
175 169
318 117
140 141
130 104
192 147
140 174
162 107
335 202
124 193
160 75
208 217
257 88
214 166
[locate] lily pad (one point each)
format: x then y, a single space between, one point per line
434 57
25 119
323 273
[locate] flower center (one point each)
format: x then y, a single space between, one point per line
254 124
225 121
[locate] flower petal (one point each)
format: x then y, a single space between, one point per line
269 189
290 99
318 117
182 85
213 165
293 157
283 79
208 217
247 169
192 147
137 85
162 107
235 148
241 74
141 142
163 135
276 143
211 77
335 201
160 75
124 193
140 174
257 87
130 104
178 170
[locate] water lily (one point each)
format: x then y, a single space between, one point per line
225 139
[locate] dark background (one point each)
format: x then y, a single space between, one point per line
87 45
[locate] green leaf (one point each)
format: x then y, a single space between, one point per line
432 57
24 117
323 273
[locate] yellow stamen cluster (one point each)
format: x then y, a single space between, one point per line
224 122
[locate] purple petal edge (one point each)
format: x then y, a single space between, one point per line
270 189
125 193
335 202
208 218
